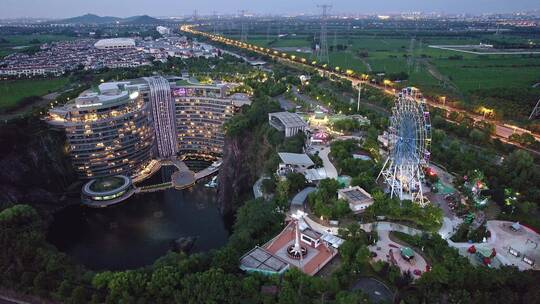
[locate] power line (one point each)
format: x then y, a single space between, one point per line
536 111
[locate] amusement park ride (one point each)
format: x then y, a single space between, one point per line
296 251
409 141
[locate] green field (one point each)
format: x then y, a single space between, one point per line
387 55
467 78
16 43
13 91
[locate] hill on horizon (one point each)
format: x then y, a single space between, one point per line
95 19
143 19
91 19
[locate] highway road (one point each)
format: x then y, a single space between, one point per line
503 130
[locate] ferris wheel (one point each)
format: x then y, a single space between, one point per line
409 143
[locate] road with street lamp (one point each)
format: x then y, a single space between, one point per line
502 131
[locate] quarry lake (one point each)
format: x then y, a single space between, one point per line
143 228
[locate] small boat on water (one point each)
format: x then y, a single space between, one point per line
217 164
212 183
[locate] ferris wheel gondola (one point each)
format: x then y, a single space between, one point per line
409 142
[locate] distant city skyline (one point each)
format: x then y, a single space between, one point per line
124 8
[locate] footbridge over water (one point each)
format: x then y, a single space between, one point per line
180 179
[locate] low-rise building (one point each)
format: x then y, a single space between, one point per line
261 261
293 162
302 247
115 43
27 71
287 122
357 198
59 57
163 30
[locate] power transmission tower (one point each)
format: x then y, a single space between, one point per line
335 40
410 57
268 32
349 32
243 36
215 21
322 53
536 111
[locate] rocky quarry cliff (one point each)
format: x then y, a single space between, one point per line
244 158
34 167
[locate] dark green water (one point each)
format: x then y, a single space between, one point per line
139 230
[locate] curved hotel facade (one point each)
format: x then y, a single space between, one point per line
120 127
108 131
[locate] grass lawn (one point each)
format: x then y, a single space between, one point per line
14 41
13 91
106 184
491 72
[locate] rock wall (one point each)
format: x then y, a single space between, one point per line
243 162
34 167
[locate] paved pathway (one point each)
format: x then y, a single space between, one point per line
10 300
206 172
320 227
300 198
449 227
306 99
389 226
285 104
389 251
331 171
526 241
257 187
377 291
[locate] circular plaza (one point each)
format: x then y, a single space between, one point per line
103 192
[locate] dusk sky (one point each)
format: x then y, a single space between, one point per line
123 8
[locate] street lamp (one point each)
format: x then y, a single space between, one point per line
485 111
443 99
359 96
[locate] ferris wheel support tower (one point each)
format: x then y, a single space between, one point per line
409 142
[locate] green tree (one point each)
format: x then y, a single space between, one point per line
296 182
477 136
282 192
79 295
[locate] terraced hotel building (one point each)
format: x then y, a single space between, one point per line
118 128
201 111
